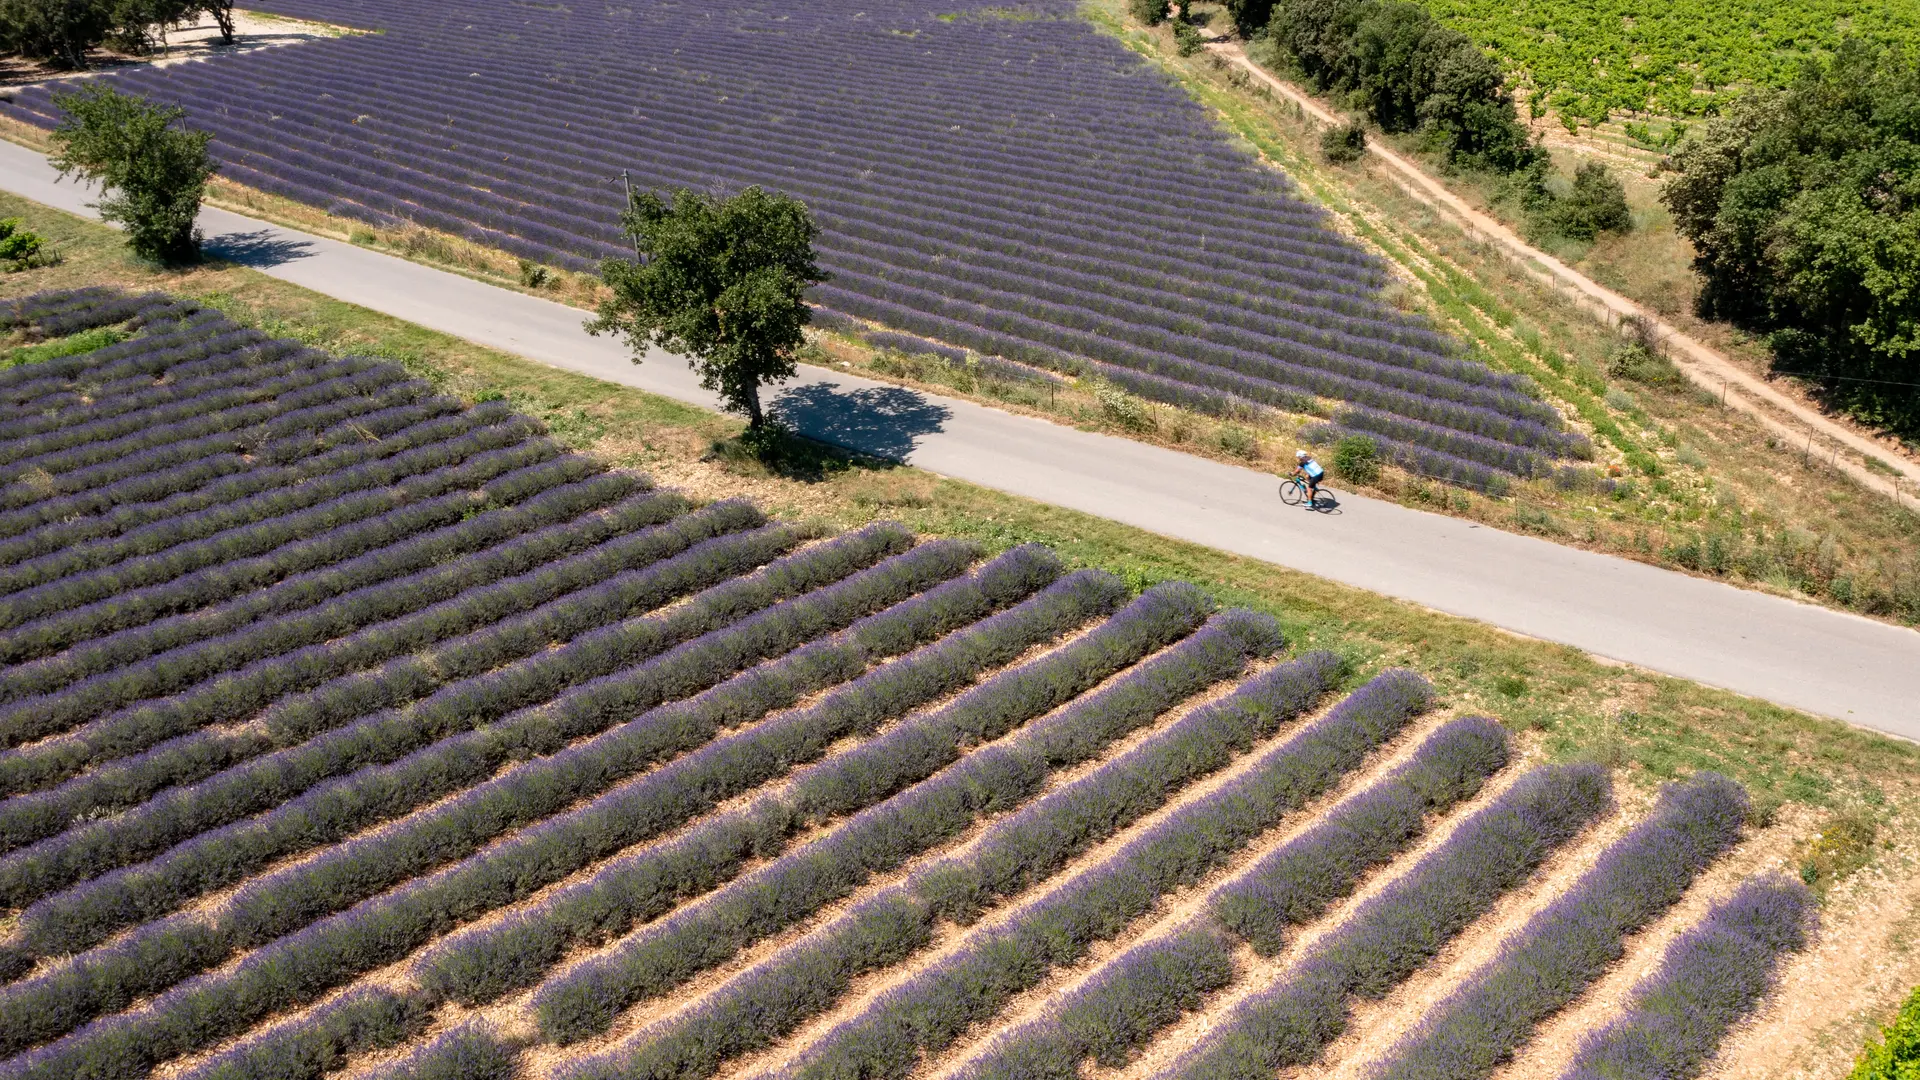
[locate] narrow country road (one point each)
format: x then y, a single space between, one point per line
1808 657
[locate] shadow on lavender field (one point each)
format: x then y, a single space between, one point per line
885 422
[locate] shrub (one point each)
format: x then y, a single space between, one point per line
19 248
1151 12
1595 204
1357 458
1897 1053
1186 38
1344 143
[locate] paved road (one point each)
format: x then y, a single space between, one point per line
1795 654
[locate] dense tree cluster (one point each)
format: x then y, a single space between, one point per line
1401 67
1801 205
62 32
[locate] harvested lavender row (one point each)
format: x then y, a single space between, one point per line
929 1012
60 449
319 605
480 966
289 971
610 823
80 556
1563 949
351 382
1147 987
143 832
163 453
585 999
194 574
1711 977
223 474
1299 881
1399 929
103 519
140 395
278 904
445 678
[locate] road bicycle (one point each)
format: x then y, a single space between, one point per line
1293 492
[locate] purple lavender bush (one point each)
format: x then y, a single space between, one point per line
1563 949
1399 929
1711 976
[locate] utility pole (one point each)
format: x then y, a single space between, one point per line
626 181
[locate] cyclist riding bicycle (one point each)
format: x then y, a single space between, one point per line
1310 471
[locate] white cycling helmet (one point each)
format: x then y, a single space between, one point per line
1299 455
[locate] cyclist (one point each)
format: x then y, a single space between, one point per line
1310 471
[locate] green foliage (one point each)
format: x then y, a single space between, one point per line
1641 357
1123 408
83 342
723 283
1357 458
1842 847
1588 58
152 174
19 249
1897 1055
1238 441
62 32
1406 71
1345 143
533 275
1592 202
1151 12
1186 38
1801 208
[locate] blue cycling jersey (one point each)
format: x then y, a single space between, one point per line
1312 469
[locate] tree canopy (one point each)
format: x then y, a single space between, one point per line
721 281
152 174
1801 205
62 32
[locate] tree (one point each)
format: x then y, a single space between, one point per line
721 281
1803 207
59 32
152 174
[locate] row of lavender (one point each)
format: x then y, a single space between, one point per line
1711 976
1030 191
641 550
177 1017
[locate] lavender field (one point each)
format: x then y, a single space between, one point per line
1001 179
347 730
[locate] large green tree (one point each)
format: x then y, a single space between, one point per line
1802 208
721 281
152 173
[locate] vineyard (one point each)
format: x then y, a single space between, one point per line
1676 59
349 730
1005 181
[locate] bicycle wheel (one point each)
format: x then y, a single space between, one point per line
1292 491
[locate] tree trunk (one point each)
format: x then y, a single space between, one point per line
223 14
754 418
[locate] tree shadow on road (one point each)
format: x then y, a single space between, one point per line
259 250
880 421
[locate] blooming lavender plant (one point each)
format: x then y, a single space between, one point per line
1565 947
1710 977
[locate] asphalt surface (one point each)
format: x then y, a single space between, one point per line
1808 657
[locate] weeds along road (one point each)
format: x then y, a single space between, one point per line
1799 655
